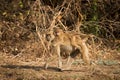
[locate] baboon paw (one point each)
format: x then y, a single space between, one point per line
65 69
60 70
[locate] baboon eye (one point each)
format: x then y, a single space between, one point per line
56 33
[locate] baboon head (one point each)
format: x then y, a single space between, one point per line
56 32
49 36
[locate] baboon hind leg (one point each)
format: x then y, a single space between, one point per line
70 60
85 53
71 57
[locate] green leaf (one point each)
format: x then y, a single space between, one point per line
21 4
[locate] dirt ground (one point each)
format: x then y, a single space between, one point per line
15 68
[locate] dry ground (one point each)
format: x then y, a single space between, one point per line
18 68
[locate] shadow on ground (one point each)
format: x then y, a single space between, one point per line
36 68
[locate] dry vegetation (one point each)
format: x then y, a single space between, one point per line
24 48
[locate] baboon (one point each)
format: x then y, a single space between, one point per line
69 44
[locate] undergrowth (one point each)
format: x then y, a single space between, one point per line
27 21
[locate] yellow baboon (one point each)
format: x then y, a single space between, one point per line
69 43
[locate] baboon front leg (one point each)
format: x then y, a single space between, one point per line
59 57
45 65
